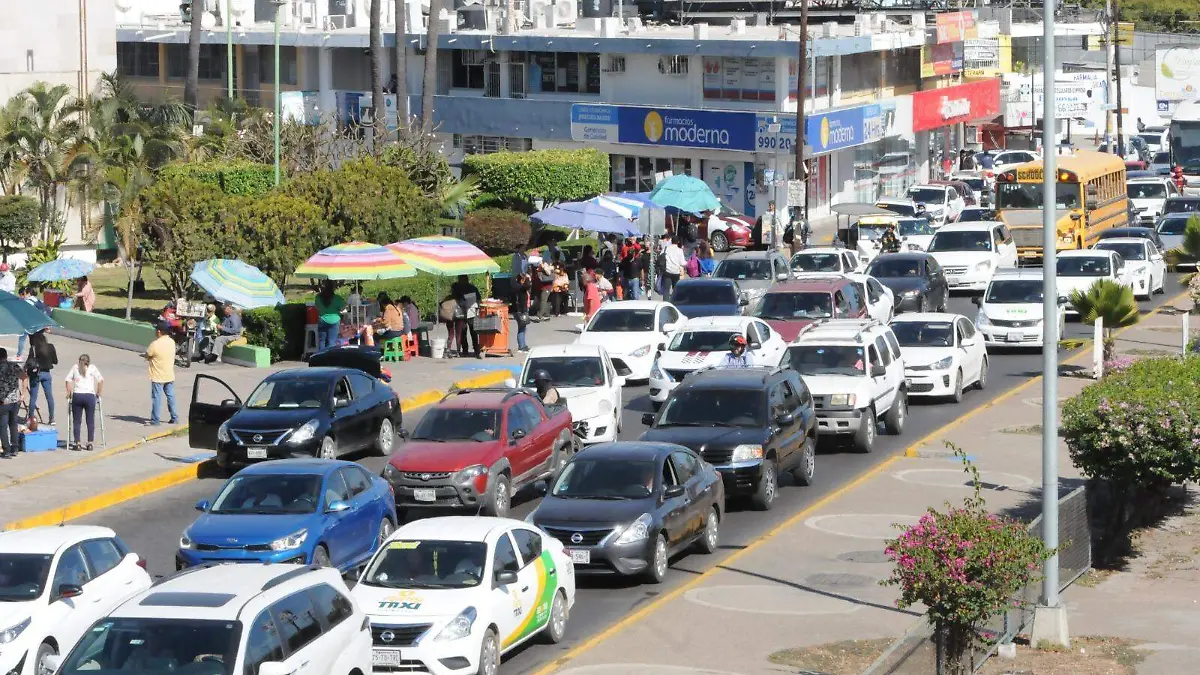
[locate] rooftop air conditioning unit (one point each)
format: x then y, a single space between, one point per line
737 27
566 12
700 31
829 29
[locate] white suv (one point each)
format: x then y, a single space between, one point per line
856 374
221 619
970 253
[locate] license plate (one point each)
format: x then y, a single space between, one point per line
580 556
425 495
385 657
1015 337
256 453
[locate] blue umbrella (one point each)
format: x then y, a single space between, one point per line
685 193
18 317
586 216
236 283
61 269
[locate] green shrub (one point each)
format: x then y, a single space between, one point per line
280 329
247 179
19 221
496 231
549 175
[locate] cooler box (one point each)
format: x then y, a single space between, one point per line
39 441
52 298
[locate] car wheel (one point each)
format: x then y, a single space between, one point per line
385 530
328 449
719 241
807 469
897 415
957 396
656 573
321 556
489 654
386 437
556 627
981 383
768 487
864 440
712 533
499 498
44 652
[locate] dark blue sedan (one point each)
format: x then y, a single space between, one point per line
708 297
307 511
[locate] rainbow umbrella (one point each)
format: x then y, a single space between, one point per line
444 256
356 261
237 283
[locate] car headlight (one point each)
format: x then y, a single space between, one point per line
942 364
658 373
459 627
982 320
293 540
605 406
11 633
223 433
185 542
843 399
391 473
983 266
305 433
470 473
911 293
640 351
746 453
638 530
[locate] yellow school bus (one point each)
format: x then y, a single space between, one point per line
1091 198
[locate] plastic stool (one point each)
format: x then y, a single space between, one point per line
393 350
410 345
310 340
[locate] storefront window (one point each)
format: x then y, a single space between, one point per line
637 174
566 72
884 169
735 78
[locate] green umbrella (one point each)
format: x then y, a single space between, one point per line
18 317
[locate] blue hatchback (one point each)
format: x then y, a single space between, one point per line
308 511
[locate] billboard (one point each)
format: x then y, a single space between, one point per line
1177 74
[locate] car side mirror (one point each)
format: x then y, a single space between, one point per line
782 276
647 418
977 301
743 301
274 668
755 346
68 591
517 434
662 346
619 381
670 327
337 507
785 418
1062 300
229 403
673 491
202 505
351 575
969 342
505 578
878 370
340 402
624 371
1157 257
541 487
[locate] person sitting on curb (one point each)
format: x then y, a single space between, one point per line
231 329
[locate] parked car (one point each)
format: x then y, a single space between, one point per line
789 307
629 507
1080 270
727 229
305 511
943 354
335 406
633 332
1010 310
703 342
754 271
970 253
915 279
585 376
749 423
1145 265
708 297
475 449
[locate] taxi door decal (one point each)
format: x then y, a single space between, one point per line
540 614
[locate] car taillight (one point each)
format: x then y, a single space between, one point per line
141 562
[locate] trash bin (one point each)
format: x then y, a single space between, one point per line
424 346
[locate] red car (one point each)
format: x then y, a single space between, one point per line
477 448
791 305
727 229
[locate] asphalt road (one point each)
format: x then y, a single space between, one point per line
152 525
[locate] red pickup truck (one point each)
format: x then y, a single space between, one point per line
477 448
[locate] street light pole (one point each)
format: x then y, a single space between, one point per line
801 121
278 107
229 44
1116 36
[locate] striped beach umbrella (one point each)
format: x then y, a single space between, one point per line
444 256
356 261
236 283
626 207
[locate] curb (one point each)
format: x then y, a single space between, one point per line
190 472
93 457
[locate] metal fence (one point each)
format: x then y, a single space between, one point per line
917 651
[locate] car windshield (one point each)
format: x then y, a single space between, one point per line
1181 206
1146 190
701 340
1014 291
623 321
744 269
962 240
458 424
888 268
927 195
1029 195
587 478
152 645
826 360
1127 250
970 215
714 408
288 393
870 232
269 494
785 306
23 575
1173 225
817 262
924 333
973 183
1151 138
902 209
704 294
1161 158
914 227
415 564
567 371
1083 266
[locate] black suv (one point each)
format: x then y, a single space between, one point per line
749 423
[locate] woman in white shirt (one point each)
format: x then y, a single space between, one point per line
84 384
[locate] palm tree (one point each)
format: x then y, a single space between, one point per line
164 127
401 66
12 174
47 126
429 81
1111 301
126 175
378 116
191 86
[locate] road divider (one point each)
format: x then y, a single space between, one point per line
193 471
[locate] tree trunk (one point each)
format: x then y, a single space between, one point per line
129 286
191 85
429 81
378 114
401 66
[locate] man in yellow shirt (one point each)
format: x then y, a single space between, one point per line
160 356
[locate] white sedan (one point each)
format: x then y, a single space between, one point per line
704 342
943 354
1079 270
633 332
463 591
56 583
585 376
1145 268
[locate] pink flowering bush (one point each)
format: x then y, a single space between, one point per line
1117 365
965 566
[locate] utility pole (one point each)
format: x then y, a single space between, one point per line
229 45
1108 71
801 168
1116 32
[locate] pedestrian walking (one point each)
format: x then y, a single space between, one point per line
591 294
42 359
708 264
160 359
329 316
521 309
12 378
229 330
467 296
520 264
446 310
29 294
84 386
673 266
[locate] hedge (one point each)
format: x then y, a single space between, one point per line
247 179
550 175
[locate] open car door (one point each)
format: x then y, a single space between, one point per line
213 403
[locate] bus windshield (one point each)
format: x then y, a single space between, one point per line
1185 144
1029 196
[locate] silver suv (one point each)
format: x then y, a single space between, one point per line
754 271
